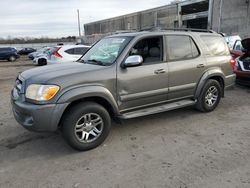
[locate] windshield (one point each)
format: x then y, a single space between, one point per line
106 51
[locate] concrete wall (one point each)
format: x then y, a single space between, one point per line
163 16
228 16
231 17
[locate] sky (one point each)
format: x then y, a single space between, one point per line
58 18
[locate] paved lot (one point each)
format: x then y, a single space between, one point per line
183 148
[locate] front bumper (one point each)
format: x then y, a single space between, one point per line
39 118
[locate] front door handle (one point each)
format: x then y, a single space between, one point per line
200 66
160 71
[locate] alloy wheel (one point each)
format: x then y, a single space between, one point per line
89 127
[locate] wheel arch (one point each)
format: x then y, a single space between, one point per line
212 74
97 94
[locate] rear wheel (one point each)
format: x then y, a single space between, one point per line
12 58
86 126
210 96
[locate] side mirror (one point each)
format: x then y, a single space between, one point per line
132 61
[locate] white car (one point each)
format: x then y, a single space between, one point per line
68 53
231 40
40 51
44 57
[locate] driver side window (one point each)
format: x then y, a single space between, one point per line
150 49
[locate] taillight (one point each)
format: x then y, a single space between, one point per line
232 63
56 53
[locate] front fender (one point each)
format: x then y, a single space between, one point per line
88 91
207 75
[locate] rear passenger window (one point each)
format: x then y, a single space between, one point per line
216 45
80 51
181 48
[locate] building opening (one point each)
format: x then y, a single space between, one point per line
199 23
195 15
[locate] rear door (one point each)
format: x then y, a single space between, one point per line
186 66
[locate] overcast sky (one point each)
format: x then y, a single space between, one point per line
57 18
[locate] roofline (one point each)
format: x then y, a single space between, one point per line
133 13
185 2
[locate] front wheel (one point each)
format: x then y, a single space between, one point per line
210 96
12 58
86 126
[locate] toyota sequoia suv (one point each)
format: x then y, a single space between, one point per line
124 76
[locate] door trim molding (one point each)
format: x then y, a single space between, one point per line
140 95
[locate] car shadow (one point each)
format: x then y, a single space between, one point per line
52 145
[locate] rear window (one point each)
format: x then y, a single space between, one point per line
80 51
70 51
77 51
181 48
216 45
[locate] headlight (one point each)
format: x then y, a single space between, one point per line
41 92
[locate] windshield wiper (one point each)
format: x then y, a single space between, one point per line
80 61
96 62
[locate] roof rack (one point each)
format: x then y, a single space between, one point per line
190 30
123 31
179 29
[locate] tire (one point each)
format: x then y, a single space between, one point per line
210 96
42 62
81 120
12 58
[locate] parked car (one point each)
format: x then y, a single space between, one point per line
242 65
42 58
9 54
68 53
231 40
124 76
237 49
26 51
38 52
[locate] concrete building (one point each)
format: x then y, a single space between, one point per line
226 16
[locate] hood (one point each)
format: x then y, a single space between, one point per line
51 72
246 44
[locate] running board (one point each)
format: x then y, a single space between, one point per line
157 109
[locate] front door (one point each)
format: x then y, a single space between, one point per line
146 84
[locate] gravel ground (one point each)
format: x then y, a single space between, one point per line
182 148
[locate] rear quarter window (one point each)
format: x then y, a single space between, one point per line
80 51
70 51
216 45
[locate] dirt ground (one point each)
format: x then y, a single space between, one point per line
182 148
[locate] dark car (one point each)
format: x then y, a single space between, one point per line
26 51
9 54
242 65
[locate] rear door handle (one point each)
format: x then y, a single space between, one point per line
160 71
200 66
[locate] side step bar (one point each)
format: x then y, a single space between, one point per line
157 109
